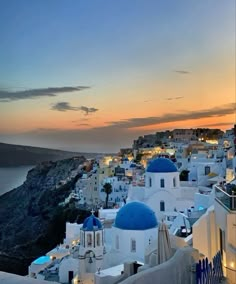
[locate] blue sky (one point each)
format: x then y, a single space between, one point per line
126 52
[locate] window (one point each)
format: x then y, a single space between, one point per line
174 182
207 170
133 245
117 242
162 205
89 240
82 238
98 239
162 182
150 182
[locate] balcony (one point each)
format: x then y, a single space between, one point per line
226 195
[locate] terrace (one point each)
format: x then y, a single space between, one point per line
225 194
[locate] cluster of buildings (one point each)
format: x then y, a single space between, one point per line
187 187
177 135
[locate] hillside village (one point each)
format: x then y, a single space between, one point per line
181 180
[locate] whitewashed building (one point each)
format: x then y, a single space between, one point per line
119 192
216 229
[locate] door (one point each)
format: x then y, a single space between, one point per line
70 276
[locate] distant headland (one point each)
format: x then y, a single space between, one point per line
17 155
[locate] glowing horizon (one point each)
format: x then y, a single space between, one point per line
92 76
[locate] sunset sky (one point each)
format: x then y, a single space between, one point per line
92 75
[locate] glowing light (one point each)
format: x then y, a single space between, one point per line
232 264
213 142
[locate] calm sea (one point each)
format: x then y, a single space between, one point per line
12 177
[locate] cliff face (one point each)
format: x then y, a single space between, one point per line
31 221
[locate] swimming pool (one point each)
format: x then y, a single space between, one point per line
42 259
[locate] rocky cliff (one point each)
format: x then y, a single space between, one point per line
31 220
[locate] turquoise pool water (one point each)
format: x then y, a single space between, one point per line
42 259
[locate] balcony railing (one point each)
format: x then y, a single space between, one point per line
226 196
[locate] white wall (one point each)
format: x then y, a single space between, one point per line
66 265
231 231
156 180
202 200
107 213
136 193
125 236
162 195
176 269
204 234
230 248
172 202
221 215
72 232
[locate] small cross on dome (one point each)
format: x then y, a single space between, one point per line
92 211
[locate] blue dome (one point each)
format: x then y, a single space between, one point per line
92 223
135 216
133 165
161 165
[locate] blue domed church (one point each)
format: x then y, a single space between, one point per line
91 245
162 191
161 173
135 227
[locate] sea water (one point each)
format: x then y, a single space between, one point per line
12 177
